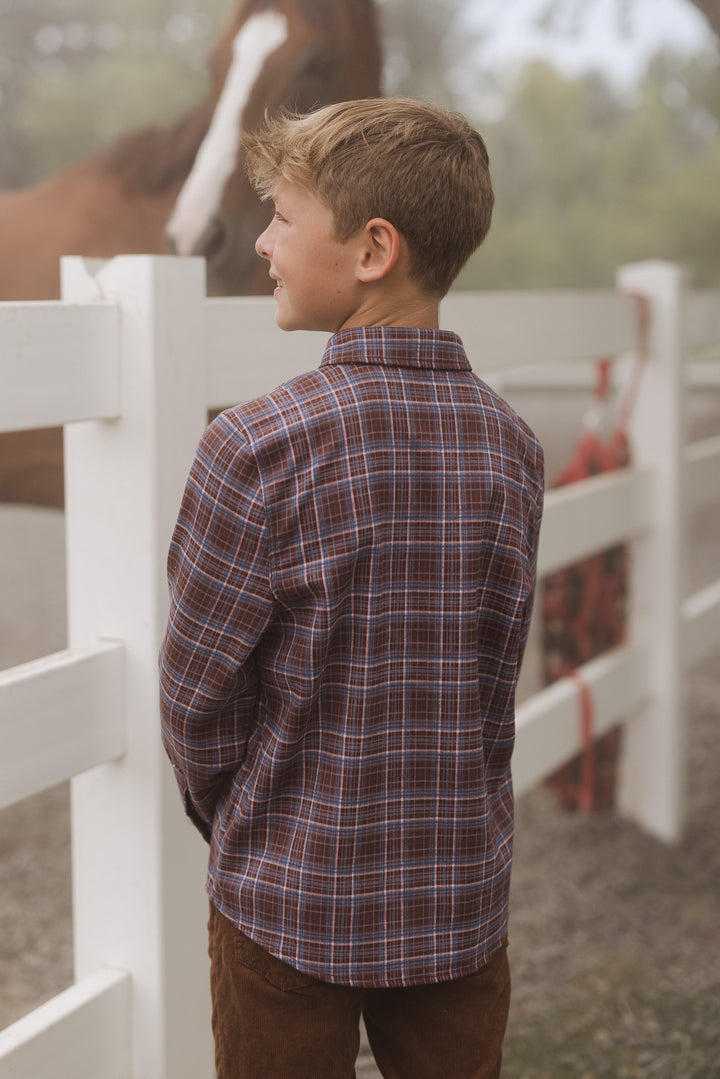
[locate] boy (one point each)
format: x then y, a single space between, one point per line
352 576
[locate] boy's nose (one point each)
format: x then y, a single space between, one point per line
262 244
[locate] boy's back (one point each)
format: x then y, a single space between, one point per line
351 578
393 571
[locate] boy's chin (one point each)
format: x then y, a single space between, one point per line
288 323
284 321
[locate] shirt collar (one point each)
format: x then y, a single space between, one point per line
397 346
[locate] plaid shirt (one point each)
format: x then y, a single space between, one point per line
352 576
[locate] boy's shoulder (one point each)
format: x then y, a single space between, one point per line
301 410
286 403
503 408
269 424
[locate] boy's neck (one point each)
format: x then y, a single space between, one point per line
419 310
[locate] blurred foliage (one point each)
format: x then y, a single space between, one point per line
76 73
586 177
586 180
430 52
62 118
570 17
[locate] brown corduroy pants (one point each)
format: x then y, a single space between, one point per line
270 1021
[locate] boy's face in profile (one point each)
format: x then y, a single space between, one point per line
317 287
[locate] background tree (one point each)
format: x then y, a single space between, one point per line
587 179
75 74
587 176
429 50
711 10
569 15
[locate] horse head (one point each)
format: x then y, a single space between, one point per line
299 54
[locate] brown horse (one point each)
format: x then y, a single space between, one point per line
184 188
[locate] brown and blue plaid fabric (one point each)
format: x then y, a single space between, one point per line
351 576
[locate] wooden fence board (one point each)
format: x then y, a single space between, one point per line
83 1033
60 363
59 716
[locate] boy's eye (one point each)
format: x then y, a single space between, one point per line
277 216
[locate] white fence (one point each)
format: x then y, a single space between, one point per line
131 359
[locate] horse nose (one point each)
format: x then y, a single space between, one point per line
212 239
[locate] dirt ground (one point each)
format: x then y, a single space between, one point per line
615 937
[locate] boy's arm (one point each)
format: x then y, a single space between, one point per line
220 604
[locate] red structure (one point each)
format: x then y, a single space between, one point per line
584 606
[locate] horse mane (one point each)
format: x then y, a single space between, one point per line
153 159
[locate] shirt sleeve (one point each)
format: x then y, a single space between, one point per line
220 604
533 532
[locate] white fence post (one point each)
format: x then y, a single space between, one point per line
138 873
654 759
141 1003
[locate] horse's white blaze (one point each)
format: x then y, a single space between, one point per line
202 192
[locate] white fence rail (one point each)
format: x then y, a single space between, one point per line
131 359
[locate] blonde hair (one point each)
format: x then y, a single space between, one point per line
423 169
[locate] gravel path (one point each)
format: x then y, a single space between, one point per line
615 938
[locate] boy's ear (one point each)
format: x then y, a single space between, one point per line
380 250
